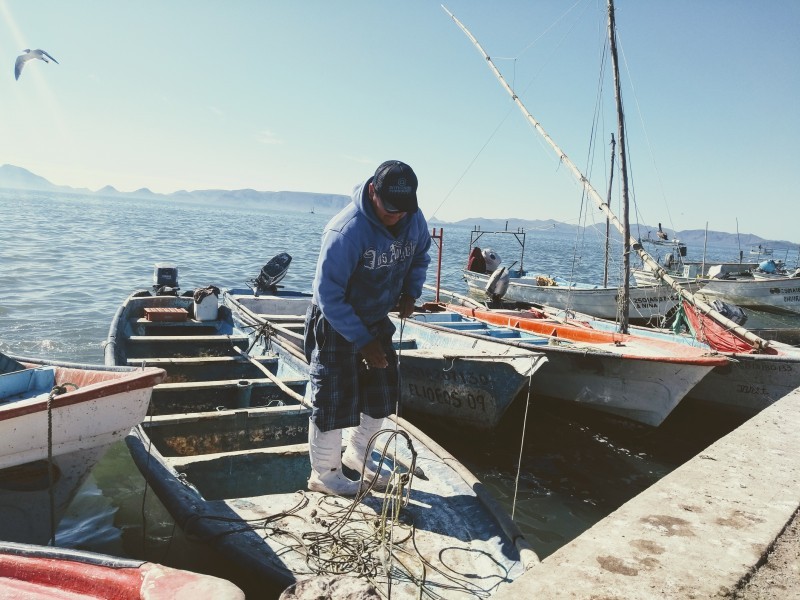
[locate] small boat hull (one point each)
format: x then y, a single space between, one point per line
747 384
626 376
47 573
780 295
646 303
66 434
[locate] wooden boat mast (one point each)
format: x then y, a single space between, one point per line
739 331
623 168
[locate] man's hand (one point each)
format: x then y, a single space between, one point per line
405 306
374 355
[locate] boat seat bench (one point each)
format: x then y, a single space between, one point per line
259 471
153 361
225 383
284 319
177 324
205 339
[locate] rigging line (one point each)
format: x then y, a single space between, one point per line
510 110
522 441
580 234
590 152
646 134
541 142
541 35
555 50
472 162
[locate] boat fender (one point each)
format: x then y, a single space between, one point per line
497 285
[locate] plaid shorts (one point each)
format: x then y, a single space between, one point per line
341 385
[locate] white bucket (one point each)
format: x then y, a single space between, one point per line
206 309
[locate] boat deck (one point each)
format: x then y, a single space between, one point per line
210 364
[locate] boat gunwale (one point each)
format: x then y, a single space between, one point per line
688 354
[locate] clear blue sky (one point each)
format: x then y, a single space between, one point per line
312 96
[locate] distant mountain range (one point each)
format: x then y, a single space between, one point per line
17 178
12 177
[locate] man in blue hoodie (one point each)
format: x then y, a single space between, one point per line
373 259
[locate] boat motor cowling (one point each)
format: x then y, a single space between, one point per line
165 279
497 286
492 259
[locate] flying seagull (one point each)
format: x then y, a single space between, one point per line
28 55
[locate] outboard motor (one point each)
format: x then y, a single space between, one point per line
731 311
497 286
492 259
165 279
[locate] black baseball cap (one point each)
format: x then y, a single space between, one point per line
396 183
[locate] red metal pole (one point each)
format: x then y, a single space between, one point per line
439 241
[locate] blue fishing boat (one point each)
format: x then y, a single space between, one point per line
225 450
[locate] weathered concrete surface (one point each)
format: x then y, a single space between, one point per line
331 587
697 533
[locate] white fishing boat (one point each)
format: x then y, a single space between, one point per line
766 286
778 294
751 380
760 250
646 303
57 420
626 375
466 381
736 283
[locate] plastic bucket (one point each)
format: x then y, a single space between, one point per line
206 309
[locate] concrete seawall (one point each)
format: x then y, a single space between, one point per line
697 533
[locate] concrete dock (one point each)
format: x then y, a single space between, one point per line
697 533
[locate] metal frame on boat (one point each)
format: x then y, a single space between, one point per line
647 303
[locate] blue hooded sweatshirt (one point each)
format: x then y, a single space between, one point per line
363 267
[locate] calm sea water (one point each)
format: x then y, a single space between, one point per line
68 262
